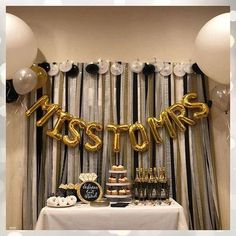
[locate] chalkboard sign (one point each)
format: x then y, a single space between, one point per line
89 191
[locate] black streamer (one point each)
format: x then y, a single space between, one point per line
135 113
39 145
172 147
118 85
187 156
154 113
65 163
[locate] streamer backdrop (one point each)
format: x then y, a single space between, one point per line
122 99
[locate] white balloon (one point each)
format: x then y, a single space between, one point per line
213 48
24 81
21 46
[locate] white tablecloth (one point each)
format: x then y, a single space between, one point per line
85 217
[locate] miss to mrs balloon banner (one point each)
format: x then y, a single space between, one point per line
172 118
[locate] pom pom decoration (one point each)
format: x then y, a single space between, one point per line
45 65
148 69
74 71
92 68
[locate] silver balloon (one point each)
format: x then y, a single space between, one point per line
24 81
221 97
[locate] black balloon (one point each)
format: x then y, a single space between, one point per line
148 69
45 65
11 94
74 71
196 69
92 69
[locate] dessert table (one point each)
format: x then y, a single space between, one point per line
132 217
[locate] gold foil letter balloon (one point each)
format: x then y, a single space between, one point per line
144 144
154 124
117 129
93 126
56 131
177 113
50 109
203 108
167 123
74 139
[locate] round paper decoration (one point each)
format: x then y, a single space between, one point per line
117 69
54 69
65 66
158 66
179 70
136 66
166 71
103 67
188 68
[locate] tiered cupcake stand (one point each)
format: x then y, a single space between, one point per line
118 186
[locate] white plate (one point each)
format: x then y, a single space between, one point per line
117 184
117 196
61 206
117 171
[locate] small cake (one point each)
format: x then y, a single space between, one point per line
114 192
109 192
128 192
114 167
120 167
112 179
122 192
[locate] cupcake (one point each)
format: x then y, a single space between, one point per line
120 167
122 192
109 192
128 192
122 179
114 192
114 167
112 179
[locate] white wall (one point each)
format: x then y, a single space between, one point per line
127 33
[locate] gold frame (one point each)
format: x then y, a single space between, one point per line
82 199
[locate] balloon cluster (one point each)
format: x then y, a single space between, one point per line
20 78
173 119
24 81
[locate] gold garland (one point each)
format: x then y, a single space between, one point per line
172 118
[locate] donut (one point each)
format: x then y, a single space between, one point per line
71 200
62 201
53 201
